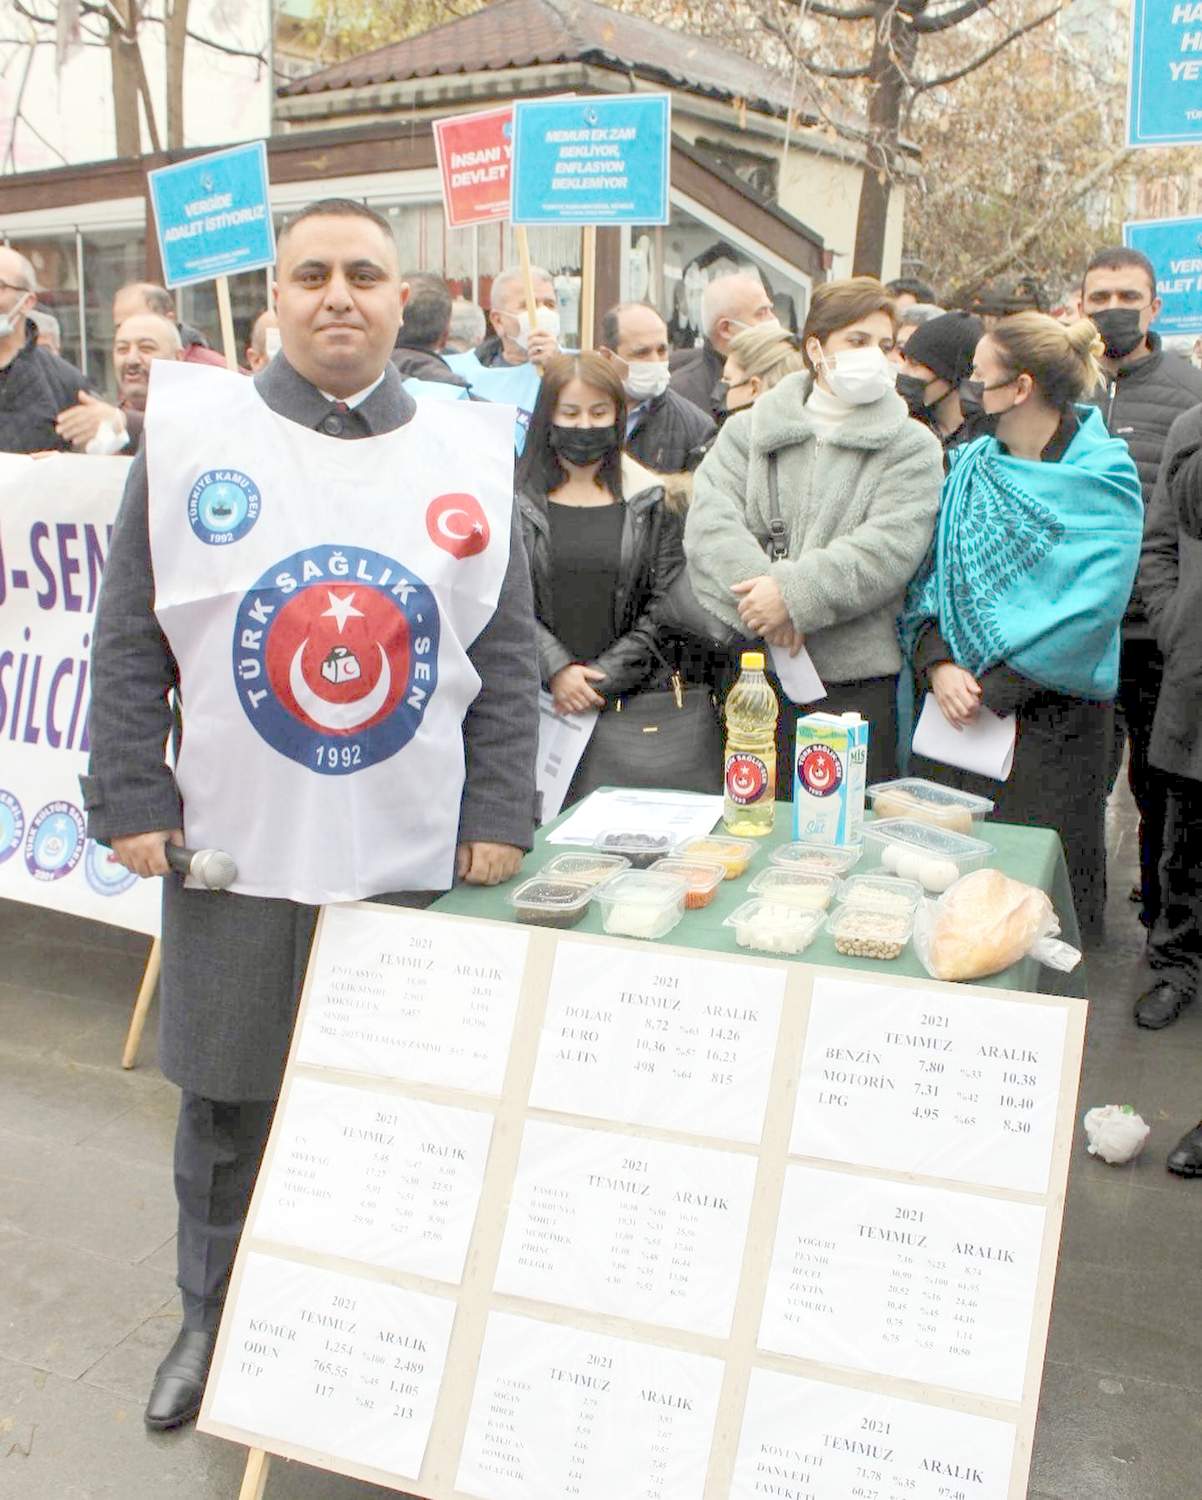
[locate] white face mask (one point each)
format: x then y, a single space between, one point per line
765 325
548 322
272 343
13 319
859 376
646 379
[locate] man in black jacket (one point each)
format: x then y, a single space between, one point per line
425 323
35 384
1170 579
663 430
1146 389
729 304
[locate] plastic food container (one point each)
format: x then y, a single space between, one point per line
818 859
702 876
734 855
774 926
799 888
551 902
881 893
638 849
589 869
928 802
870 934
916 851
641 903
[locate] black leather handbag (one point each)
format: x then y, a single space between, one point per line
667 737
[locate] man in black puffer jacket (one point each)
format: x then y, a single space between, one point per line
35 383
1146 389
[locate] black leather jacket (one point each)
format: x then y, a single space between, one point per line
652 554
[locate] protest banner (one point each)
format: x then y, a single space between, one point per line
56 517
545 1213
1164 93
212 216
1174 246
474 154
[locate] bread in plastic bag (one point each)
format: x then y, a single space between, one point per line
986 922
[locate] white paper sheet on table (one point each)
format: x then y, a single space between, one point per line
798 675
562 741
684 815
986 746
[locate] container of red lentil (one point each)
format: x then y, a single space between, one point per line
702 877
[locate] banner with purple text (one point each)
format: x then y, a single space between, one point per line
56 518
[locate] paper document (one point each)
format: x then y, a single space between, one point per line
562 741
684 815
986 746
797 675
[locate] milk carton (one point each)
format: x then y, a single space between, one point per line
830 762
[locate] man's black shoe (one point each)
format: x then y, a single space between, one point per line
1186 1156
179 1382
1161 1006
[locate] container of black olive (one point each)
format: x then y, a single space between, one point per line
641 849
547 901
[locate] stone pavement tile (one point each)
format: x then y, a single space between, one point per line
106 975
1136 1322
128 1369
101 1043
145 1132
1114 1221
1113 1438
85 1199
59 1101
163 1259
61 1309
36 1022
20 922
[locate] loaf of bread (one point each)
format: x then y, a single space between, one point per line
985 923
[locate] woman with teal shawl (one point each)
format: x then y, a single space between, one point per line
1018 606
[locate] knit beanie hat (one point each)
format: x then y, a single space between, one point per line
946 345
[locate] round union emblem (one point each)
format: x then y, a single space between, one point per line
820 770
104 872
223 505
12 825
55 841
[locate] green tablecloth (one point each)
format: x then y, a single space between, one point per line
1033 855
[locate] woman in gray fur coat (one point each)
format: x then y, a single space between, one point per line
858 485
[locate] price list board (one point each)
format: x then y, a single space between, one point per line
552 1214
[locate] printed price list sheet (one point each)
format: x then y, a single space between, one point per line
962 1087
677 1041
546 1214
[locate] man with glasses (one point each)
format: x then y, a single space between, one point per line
729 304
35 383
1145 389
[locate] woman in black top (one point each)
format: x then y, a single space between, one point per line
602 545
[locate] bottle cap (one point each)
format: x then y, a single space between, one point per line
753 661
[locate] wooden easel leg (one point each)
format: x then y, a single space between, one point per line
255 1477
137 1021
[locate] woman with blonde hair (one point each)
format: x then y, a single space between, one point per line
1019 606
758 359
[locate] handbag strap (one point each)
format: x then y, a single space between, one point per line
778 532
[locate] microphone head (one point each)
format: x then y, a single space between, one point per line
213 868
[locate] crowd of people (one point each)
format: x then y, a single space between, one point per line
928 501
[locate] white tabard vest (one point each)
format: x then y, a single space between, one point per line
320 596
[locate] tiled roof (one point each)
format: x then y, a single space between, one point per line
531 33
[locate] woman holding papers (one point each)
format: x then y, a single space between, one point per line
603 547
1019 605
829 463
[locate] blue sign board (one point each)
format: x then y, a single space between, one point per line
1174 246
213 215
591 161
1164 100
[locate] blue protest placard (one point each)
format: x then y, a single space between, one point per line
1174 246
591 161
213 215
1164 100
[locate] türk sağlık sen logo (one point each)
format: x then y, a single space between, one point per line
223 505
746 778
336 657
819 770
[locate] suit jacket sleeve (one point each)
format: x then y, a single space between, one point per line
129 787
500 732
1158 564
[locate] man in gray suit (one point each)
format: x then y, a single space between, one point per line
232 963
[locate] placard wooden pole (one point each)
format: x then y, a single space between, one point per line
137 1022
588 286
225 313
255 1475
523 244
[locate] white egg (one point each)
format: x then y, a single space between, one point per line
911 865
937 874
891 857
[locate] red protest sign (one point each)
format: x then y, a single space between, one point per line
473 161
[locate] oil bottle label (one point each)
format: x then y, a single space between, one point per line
746 778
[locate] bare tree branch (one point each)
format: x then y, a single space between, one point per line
926 24
208 41
10 154
835 12
921 85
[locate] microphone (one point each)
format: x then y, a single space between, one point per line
211 867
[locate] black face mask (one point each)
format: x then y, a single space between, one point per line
982 422
913 391
1120 330
584 445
